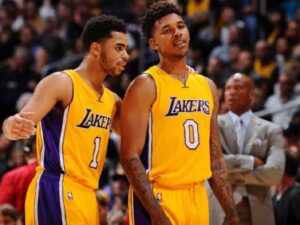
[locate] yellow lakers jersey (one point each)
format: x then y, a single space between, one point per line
74 141
177 148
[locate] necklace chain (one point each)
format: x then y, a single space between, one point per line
181 78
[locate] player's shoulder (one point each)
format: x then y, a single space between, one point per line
58 78
58 85
142 88
143 81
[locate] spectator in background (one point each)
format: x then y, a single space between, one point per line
217 71
46 9
16 156
68 30
290 7
8 38
8 215
253 151
16 77
259 99
264 62
235 38
289 176
204 36
31 14
248 10
296 119
285 94
227 17
5 149
274 25
287 209
265 65
195 7
244 64
292 33
14 13
22 100
103 201
14 184
283 52
51 42
196 58
28 39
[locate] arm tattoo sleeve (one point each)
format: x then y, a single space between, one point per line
218 181
141 185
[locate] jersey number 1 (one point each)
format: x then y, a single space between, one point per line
94 162
191 134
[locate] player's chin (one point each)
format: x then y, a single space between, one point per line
182 52
116 73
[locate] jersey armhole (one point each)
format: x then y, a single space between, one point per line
155 87
72 81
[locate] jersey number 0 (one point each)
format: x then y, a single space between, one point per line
191 134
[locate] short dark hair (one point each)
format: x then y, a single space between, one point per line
9 211
99 28
156 11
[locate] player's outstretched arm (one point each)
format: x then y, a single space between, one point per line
218 181
53 89
134 121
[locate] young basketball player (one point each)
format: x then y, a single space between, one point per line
74 113
170 137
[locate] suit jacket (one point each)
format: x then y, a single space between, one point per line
287 209
264 140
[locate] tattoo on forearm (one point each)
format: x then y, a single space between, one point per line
140 183
218 181
138 177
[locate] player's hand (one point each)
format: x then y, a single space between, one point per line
19 126
162 219
235 220
258 162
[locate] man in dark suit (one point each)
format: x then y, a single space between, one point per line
287 209
253 150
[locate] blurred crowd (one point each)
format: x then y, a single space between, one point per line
258 38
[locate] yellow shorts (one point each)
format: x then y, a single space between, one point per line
183 206
57 200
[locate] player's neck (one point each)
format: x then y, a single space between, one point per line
90 72
92 75
175 68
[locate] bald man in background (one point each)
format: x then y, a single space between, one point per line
253 150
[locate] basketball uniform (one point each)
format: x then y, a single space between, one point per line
176 154
71 149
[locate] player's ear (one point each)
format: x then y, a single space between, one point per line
153 44
95 49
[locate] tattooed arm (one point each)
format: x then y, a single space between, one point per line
134 121
218 181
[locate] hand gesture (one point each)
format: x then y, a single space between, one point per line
19 126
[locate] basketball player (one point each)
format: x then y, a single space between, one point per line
74 113
170 137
